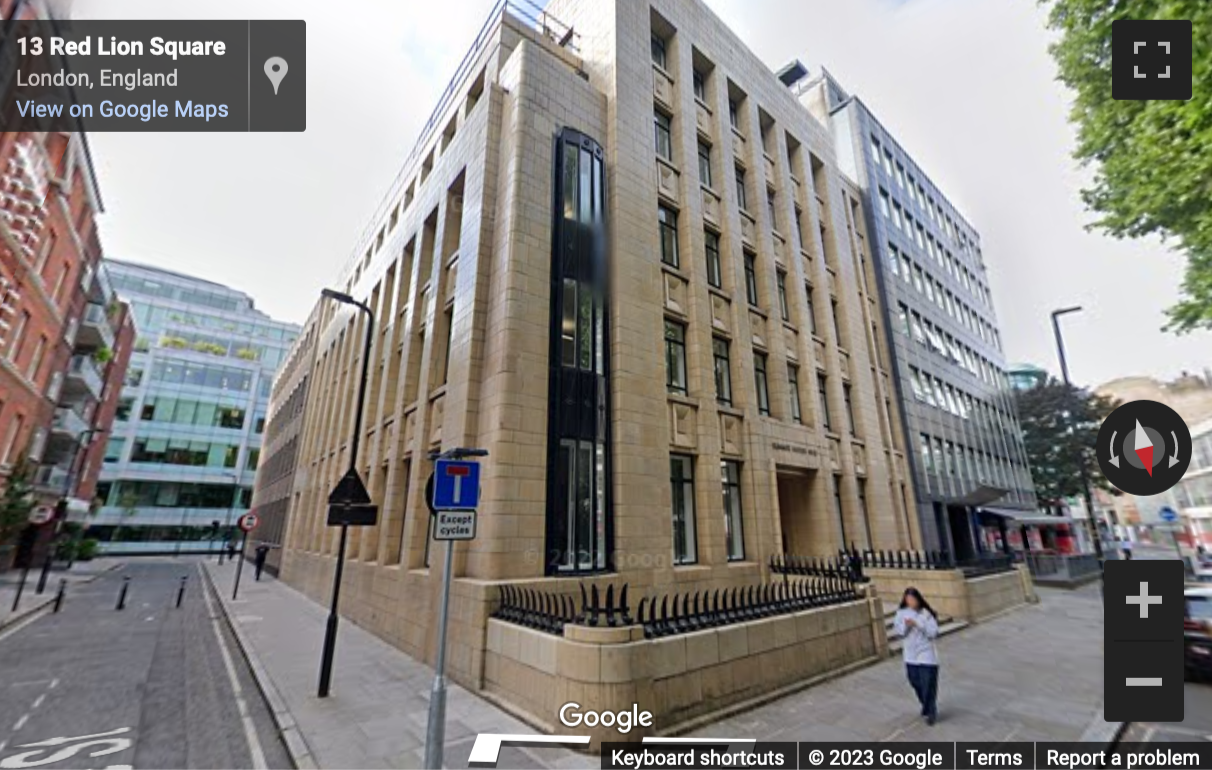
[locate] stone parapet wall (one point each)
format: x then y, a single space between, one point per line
677 678
953 595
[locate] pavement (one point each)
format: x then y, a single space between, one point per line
148 686
1032 674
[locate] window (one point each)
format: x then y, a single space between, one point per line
723 371
113 449
902 317
759 382
884 207
849 409
811 310
35 361
751 287
14 346
741 200
700 86
915 380
771 209
668 219
784 310
675 357
664 145
821 382
714 273
449 321
875 148
900 175
681 483
927 457
705 163
730 471
734 116
793 385
658 51
837 329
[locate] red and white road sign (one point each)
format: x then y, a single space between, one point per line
248 522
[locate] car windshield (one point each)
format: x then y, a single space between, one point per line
1199 608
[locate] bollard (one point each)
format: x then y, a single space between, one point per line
122 594
181 590
20 587
59 596
46 565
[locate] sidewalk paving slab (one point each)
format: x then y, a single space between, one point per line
1034 674
31 603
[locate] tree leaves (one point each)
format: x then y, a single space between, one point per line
1152 160
1060 426
16 500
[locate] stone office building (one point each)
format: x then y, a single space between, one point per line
623 260
969 466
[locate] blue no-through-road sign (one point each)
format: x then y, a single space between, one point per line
1167 514
456 485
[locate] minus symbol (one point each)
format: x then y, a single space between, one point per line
1144 681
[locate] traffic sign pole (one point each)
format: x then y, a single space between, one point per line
459 475
247 523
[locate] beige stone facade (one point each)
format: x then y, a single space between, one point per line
457 267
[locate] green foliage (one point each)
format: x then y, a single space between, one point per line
86 549
1060 431
16 500
210 347
103 355
176 343
1152 160
247 354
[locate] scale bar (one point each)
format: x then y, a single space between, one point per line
1144 681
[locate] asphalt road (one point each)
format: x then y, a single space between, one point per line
150 686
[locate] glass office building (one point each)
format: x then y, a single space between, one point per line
186 440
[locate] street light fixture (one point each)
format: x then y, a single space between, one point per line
1095 534
330 630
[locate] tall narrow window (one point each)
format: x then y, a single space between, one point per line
700 86
862 501
793 385
734 115
837 506
705 163
771 209
723 371
658 51
741 198
823 403
837 329
579 524
14 345
446 351
759 382
681 483
668 219
849 401
675 357
784 310
730 471
664 145
751 287
811 310
714 271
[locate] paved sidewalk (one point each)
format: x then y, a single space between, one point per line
81 572
1033 674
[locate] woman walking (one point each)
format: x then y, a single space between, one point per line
917 623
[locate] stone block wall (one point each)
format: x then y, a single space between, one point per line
953 595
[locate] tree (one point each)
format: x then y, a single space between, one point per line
1151 159
1060 432
16 500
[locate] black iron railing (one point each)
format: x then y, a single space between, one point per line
907 560
986 564
665 614
844 565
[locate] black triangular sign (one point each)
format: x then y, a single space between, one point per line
349 490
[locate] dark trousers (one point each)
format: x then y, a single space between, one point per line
924 680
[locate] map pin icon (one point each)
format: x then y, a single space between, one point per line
275 70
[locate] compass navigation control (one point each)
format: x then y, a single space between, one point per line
1144 447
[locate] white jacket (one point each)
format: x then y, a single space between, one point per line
919 638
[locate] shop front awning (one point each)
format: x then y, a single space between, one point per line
1029 518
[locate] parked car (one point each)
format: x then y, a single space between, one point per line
1197 629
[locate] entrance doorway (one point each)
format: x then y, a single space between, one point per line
800 531
962 544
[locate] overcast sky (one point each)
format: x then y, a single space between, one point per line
966 85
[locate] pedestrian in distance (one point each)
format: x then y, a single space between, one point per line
1126 546
917 623
262 553
231 551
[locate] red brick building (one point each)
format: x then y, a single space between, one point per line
65 338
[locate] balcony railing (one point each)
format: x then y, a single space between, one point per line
95 330
83 370
69 422
52 477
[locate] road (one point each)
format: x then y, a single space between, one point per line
1197 697
150 686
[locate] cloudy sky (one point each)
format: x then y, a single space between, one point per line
966 85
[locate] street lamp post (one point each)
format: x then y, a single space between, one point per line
330 630
1085 478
